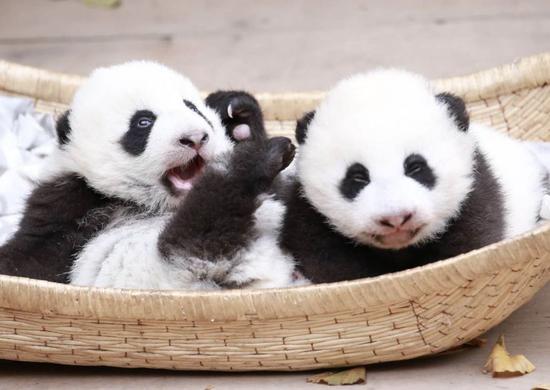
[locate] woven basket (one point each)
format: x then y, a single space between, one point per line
393 317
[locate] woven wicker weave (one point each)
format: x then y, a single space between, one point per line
393 317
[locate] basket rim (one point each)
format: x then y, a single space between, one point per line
48 298
527 72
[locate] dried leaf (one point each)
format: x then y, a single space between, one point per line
542 387
103 3
478 342
319 377
352 376
501 364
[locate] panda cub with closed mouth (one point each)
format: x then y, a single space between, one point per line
149 190
392 175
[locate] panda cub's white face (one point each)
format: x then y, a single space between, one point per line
385 161
141 132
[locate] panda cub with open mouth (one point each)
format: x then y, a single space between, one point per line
149 190
392 175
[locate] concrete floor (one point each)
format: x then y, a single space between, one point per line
275 45
283 46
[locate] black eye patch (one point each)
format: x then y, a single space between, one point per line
194 108
416 167
357 177
135 139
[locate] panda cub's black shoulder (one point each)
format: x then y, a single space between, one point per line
61 215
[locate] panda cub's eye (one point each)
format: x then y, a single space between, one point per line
414 164
134 141
416 167
360 177
357 177
145 121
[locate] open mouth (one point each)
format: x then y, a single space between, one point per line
180 179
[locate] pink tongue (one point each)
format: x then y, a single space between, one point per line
182 177
180 183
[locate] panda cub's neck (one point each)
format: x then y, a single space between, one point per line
326 255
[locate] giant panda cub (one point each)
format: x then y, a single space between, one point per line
392 175
148 190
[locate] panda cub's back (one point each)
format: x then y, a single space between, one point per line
520 176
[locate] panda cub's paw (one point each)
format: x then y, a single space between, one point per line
257 164
240 113
280 153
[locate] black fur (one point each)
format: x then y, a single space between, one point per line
456 108
481 220
194 108
357 177
135 139
59 219
245 110
302 125
63 128
217 218
417 168
325 255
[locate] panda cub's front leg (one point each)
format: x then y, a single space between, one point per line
218 220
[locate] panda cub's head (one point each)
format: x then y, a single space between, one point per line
141 132
386 160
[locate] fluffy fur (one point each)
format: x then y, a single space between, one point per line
130 196
392 175
224 235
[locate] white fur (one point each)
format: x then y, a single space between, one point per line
263 262
545 209
541 151
378 119
125 255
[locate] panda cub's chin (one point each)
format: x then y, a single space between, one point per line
179 179
397 239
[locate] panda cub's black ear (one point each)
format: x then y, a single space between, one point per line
63 128
456 108
302 125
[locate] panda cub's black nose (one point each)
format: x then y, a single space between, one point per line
194 141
